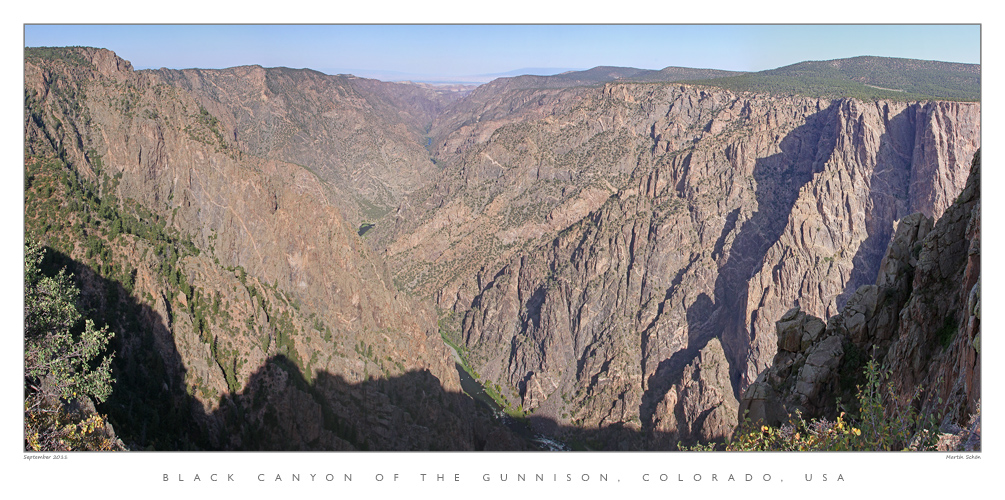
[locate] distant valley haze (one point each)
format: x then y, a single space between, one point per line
609 252
479 53
508 228
504 237
439 78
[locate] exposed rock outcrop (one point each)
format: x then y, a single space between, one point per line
364 138
701 407
611 258
724 211
250 296
921 321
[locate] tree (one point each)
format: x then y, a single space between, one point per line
62 369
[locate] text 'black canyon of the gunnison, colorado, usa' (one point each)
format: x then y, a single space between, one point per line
613 259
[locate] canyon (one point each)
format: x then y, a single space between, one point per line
290 252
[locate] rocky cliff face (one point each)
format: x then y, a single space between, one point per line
920 320
364 138
592 241
253 299
611 258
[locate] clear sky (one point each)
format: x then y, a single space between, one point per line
736 48
456 50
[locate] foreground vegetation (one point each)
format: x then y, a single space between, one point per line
64 364
875 425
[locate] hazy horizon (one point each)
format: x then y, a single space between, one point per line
478 53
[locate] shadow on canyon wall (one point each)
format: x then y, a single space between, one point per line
281 408
779 178
149 405
890 198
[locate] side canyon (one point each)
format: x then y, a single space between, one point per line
286 255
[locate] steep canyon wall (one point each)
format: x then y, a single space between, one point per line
717 213
610 258
252 299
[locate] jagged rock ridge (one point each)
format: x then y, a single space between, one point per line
252 298
364 138
612 257
920 320
696 214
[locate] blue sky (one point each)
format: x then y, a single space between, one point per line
439 51
735 48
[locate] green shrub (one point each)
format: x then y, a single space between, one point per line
798 435
878 426
889 426
62 362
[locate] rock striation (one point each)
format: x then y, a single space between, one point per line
251 298
590 242
611 258
701 407
921 321
364 138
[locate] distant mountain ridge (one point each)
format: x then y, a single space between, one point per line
604 74
285 255
861 77
865 77
532 71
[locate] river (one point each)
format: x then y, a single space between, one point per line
477 392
